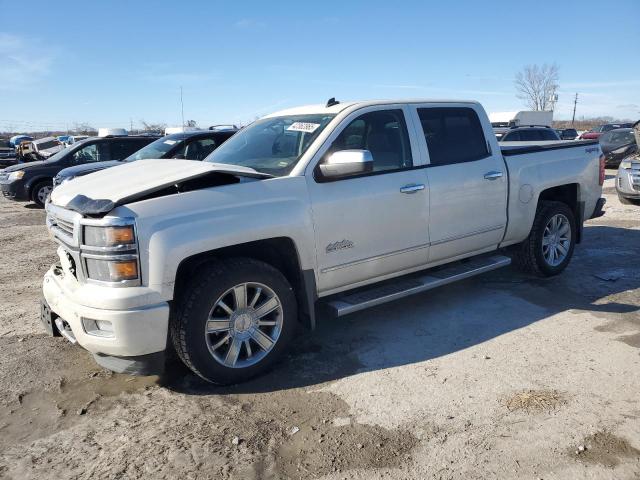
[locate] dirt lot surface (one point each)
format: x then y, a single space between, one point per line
501 376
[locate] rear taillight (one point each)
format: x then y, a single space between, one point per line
601 180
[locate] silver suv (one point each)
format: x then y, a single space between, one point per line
628 178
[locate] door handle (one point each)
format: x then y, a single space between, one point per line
492 175
413 188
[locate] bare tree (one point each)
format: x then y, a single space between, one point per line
537 85
190 123
153 127
84 128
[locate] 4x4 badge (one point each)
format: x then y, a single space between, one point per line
341 245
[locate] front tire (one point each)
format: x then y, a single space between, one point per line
549 247
234 319
41 192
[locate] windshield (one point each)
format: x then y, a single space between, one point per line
61 154
271 145
157 149
618 138
49 144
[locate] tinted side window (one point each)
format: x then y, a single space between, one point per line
548 135
383 133
511 137
529 135
453 135
122 149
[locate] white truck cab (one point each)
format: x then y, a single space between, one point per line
347 204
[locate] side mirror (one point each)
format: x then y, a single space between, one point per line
179 156
345 163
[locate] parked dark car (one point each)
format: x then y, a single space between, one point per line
595 133
530 134
33 181
618 144
194 145
7 153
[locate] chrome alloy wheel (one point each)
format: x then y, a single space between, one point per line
244 325
43 193
556 240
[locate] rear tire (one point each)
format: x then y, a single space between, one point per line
41 192
221 331
549 247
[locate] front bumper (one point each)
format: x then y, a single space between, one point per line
14 190
139 333
628 182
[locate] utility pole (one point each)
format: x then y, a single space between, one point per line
130 125
182 107
575 102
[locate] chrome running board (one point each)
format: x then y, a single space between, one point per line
387 291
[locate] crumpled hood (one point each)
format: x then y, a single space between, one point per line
102 191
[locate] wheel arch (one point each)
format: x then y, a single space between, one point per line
279 252
32 182
569 194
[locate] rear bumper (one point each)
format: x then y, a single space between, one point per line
139 335
598 210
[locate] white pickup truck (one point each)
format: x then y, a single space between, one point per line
346 204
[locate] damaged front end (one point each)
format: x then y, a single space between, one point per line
99 193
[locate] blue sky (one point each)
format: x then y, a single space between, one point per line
108 63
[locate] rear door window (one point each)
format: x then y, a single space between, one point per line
453 135
122 149
529 135
548 135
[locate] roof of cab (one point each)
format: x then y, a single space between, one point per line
337 108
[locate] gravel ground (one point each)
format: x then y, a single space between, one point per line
500 376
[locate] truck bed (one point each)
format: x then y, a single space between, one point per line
537 166
518 148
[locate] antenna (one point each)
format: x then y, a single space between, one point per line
332 101
182 106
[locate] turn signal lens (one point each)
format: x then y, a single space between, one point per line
118 235
112 270
124 270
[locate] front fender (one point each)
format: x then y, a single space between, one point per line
175 227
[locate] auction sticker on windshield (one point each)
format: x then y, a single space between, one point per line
303 127
170 142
